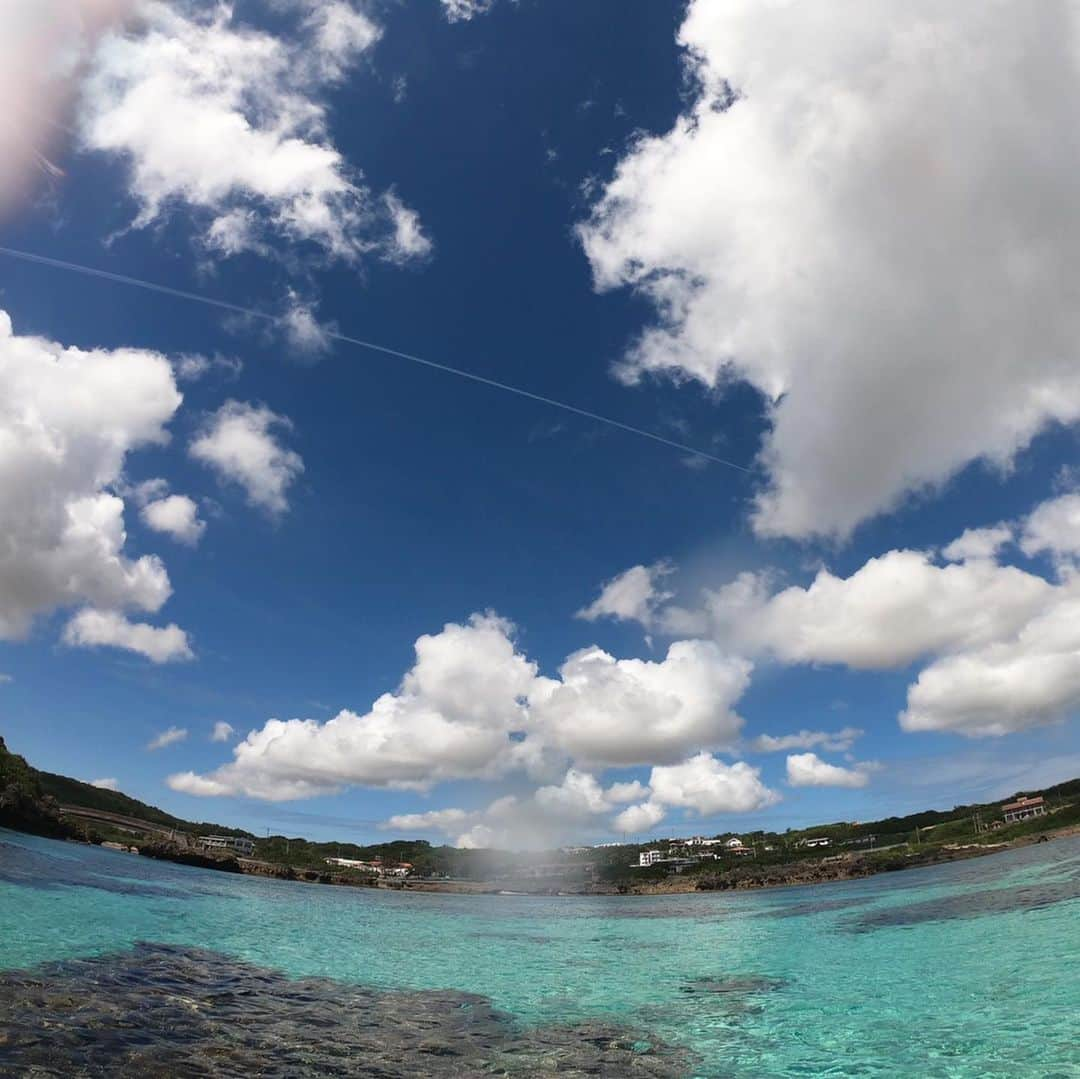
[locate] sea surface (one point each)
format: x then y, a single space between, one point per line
114 964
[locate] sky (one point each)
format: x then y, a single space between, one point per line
254 571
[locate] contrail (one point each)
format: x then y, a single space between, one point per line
250 312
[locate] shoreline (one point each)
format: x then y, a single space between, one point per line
738 878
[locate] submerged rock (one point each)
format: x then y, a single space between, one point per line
160 1010
738 984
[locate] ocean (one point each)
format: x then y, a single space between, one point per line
119 965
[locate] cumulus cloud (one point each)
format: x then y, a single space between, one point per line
809 770
222 731
614 712
5 679
91 628
1053 528
978 543
1026 679
69 418
109 784
168 737
228 122
863 222
633 595
998 643
639 818
473 706
176 516
889 612
240 443
452 717
834 741
44 45
707 785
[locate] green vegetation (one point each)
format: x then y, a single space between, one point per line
74 792
24 805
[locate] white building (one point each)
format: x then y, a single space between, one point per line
1023 809
348 863
816 841
649 857
238 844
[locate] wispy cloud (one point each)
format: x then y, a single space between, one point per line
167 737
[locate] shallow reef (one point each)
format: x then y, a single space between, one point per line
159 1010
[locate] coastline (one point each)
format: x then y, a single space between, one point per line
738 878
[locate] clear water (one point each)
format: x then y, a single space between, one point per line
968 969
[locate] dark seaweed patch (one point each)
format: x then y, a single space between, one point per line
159 1010
970 904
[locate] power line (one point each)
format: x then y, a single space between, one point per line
277 320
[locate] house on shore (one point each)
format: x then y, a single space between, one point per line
237 844
1023 809
815 841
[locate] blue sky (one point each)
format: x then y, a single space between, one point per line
675 216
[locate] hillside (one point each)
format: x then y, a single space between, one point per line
24 804
74 792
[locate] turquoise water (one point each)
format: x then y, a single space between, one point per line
968 969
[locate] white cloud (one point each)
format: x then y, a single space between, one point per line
871 234
228 121
222 731
999 644
639 818
436 820
238 442
177 516
1024 680
43 46
463 10
708 785
608 711
5 679
192 366
809 770
410 241
1053 527
340 34
168 737
110 784
69 418
889 612
91 628
626 792
452 717
303 330
633 595
834 741
473 706
978 543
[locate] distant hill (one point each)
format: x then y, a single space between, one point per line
74 792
